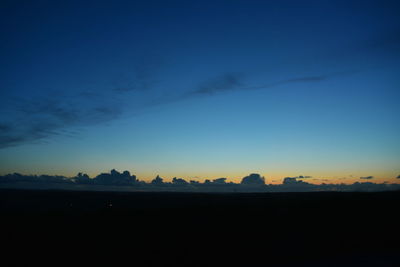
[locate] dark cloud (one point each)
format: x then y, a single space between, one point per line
304 79
289 180
5 128
29 132
157 181
10 140
398 177
44 116
51 110
307 79
225 82
43 179
235 82
115 178
219 181
367 177
253 179
293 184
48 116
251 183
303 177
179 181
40 119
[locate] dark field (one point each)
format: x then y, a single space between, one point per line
194 229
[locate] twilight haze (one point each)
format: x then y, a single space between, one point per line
202 89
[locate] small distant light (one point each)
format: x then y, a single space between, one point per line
110 205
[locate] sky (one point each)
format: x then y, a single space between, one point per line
201 89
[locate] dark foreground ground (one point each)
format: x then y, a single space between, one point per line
192 229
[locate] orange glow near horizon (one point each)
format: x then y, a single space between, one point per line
270 177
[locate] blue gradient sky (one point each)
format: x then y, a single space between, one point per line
201 88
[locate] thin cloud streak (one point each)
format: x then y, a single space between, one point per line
50 117
234 82
46 117
367 177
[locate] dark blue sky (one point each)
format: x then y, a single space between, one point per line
201 88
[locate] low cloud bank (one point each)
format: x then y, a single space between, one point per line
367 177
125 180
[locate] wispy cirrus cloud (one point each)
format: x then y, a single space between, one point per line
41 118
224 82
37 120
301 177
235 82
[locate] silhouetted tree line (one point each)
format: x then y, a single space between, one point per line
253 182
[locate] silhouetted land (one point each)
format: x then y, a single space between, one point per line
116 181
200 229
